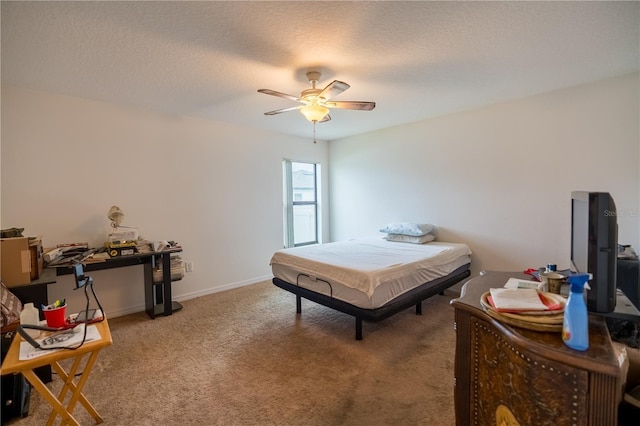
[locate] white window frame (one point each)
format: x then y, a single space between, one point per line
289 203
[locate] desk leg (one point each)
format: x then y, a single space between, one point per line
158 294
166 283
148 288
50 397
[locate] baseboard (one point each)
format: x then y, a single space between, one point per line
192 295
231 286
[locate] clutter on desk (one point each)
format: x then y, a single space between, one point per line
177 270
553 280
64 255
30 316
11 232
88 317
124 234
55 305
55 314
537 273
121 241
146 246
71 337
121 248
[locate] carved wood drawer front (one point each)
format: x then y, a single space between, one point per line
531 389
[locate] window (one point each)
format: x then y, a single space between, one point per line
301 191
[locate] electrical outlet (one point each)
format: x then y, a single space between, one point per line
188 266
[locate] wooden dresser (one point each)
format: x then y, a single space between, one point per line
506 375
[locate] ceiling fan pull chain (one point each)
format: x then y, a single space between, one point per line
314 132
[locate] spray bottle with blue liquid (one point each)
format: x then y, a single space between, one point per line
575 327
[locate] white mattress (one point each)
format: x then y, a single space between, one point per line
368 272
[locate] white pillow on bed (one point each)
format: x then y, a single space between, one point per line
410 238
408 228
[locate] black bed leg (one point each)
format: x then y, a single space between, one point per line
358 328
419 308
298 304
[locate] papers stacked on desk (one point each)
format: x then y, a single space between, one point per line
66 340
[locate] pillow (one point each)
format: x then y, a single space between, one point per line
410 238
407 228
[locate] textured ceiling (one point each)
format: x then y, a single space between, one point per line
414 59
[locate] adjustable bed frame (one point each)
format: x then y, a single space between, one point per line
398 304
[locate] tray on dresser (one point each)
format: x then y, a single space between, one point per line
550 321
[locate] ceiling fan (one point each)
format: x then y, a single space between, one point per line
316 102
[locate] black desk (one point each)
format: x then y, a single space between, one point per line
157 295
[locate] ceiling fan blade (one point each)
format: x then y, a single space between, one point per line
333 89
279 94
280 111
362 106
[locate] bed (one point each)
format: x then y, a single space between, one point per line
370 278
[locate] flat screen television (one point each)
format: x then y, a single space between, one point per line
594 240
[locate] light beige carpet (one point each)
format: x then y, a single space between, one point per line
243 357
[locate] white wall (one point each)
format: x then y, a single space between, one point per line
498 178
214 188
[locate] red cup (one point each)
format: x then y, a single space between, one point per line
55 317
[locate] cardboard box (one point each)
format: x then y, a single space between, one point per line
37 260
15 261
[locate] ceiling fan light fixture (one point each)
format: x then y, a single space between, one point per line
314 113
318 101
